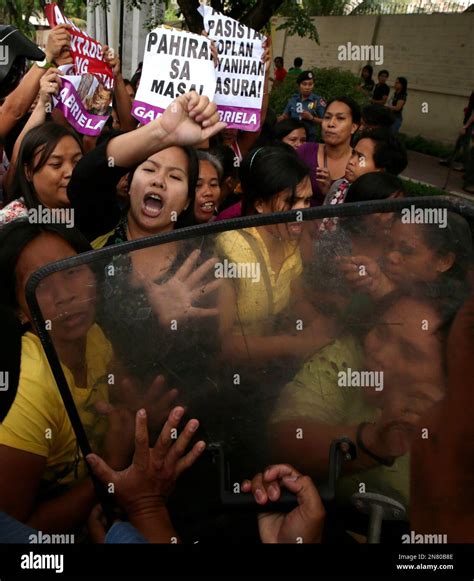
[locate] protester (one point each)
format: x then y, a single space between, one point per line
46 160
290 131
20 99
375 151
328 162
230 176
416 253
382 423
208 189
367 84
399 100
296 69
273 180
27 455
279 72
381 89
305 105
375 117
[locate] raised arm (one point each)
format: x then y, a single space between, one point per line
122 98
50 84
247 139
17 104
188 120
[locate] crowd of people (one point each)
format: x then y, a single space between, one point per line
257 359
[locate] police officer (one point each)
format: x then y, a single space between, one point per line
305 105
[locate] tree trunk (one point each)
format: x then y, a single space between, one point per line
191 15
258 16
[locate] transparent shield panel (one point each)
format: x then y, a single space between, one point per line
280 339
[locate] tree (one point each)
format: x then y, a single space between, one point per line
19 12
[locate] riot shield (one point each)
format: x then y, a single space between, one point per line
315 338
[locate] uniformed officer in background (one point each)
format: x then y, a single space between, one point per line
305 105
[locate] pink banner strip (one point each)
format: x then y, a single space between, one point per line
145 112
240 117
72 107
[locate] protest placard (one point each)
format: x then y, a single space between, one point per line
87 85
175 62
240 72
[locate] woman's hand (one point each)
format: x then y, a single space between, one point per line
59 39
112 59
189 119
173 300
323 178
50 84
118 444
157 399
147 483
364 274
304 524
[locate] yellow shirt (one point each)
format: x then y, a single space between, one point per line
38 423
314 394
254 307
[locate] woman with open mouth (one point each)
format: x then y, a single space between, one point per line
208 189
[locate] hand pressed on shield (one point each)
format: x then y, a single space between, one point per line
365 275
304 524
147 483
157 399
173 300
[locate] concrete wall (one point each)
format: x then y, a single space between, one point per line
435 52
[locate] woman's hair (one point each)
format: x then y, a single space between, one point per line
267 171
285 127
213 160
373 186
14 236
353 106
446 303
390 153
369 69
404 83
377 116
455 238
43 140
227 159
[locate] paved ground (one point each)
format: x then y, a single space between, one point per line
426 169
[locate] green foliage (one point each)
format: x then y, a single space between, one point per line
427 146
329 83
298 22
414 189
